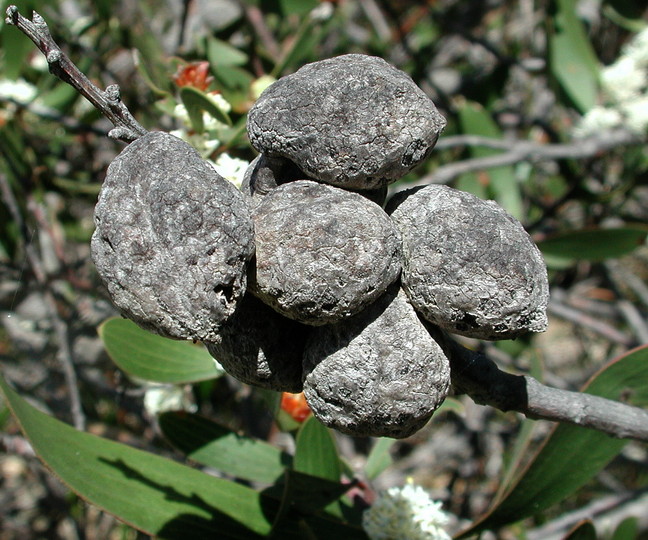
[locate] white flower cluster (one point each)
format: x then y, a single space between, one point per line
228 167
169 397
625 86
405 512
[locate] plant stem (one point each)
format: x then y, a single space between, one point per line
107 102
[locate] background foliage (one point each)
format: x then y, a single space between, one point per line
510 71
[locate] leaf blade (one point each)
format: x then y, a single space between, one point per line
151 493
553 473
208 443
154 358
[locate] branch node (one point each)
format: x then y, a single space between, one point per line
113 94
107 102
12 14
54 57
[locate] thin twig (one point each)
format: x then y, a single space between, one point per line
61 330
517 151
621 274
635 320
107 102
377 19
607 513
255 17
477 375
582 319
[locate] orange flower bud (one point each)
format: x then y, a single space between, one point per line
195 74
295 405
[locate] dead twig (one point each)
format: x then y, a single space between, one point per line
582 319
107 102
61 330
517 151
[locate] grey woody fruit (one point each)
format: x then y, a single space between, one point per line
468 266
352 121
378 374
322 253
264 174
172 239
260 347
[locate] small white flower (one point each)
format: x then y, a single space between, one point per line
323 12
209 122
221 103
231 168
203 142
624 80
637 48
161 398
405 513
19 91
636 115
596 120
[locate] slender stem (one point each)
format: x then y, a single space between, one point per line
517 151
108 102
476 375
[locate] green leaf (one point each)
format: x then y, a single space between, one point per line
554 473
583 531
154 358
450 405
628 529
309 494
297 7
150 76
208 443
498 183
16 47
379 457
572 59
156 495
592 244
196 102
315 452
221 53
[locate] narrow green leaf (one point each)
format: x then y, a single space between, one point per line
154 358
628 529
298 7
571 57
309 494
196 102
221 53
583 531
498 183
148 76
208 443
315 452
379 457
156 495
555 473
592 244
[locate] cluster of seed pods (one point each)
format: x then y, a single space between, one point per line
305 279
